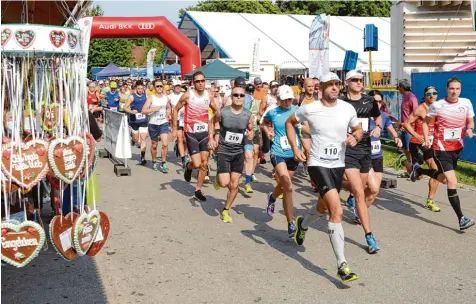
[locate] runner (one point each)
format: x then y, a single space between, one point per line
252 145
282 157
159 110
138 120
409 105
329 120
198 129
420 153
112 97
93 100
358 161
180 142
454 117
269 101
124 96
234 121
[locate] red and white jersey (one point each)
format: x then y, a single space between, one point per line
450 123
196 112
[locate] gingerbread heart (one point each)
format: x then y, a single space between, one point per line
61 230
7 185
57 38
92 151
101 237
72 40
26 164
67 157
6 35
21 243
25 38
85 229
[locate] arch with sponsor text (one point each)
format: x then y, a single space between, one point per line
143 27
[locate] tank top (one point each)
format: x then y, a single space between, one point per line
137 104
303 100
196 113
92 99
232 130
174 99
418 127
112 100
159 117
270 101
124 97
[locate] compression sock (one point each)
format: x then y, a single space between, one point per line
248 179
432 173
183 158
310 217
454 201
142 154
336 236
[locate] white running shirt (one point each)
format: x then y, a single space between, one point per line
174 99
159 117
328 126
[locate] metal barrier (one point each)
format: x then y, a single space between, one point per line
117 141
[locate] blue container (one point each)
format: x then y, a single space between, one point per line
350 60
370 38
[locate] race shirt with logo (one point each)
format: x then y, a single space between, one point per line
92 99
418 127
113 100
137 104
376 144
196 113
233 130
280 145
159 117
450 123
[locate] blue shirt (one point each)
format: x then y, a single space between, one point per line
376 145
248 102
280 145
137 104
112 99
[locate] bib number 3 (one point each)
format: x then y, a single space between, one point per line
234 138
452 134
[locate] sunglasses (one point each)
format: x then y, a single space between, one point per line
159 86
199 81
431 94
274 86
239 95
356 80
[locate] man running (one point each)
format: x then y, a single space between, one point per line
252 145
138 120
409 105
282 157
420 153
112 97
329 120
180 142
234 121
454 117
198 129
358 159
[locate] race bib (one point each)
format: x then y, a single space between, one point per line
162 114
364 122
452 134
200 127
140 116
376 147
283 141
234 138
329 151
113 109
430 139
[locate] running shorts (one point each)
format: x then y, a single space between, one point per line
377 164
197 142
227 163
326 178
266 146
291 164
446 160
139 128
363 162
420 153
249 144
156 130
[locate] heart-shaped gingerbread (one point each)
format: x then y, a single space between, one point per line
6 35
57 38
21 243
72 40
102 235
85 229
25 38
28 162
92 150
61 230
67 157
7 185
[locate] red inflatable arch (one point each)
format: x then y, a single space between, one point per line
150 27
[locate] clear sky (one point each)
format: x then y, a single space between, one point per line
128 8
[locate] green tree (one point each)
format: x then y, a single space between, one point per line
252 7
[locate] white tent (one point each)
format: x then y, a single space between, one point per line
284 39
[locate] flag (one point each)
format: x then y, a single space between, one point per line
319 46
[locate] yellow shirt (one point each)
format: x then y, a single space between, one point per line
150 92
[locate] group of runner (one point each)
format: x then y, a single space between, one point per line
336 136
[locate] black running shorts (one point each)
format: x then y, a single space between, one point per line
446 160
227 163
326 178
420 153
363 162
197 142
377 164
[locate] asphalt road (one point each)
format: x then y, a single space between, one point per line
165 247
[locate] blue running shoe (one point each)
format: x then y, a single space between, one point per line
373 246
465 223
351 202
291 229
415 172
271 202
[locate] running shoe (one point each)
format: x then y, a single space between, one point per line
183 163
300 232
351 202
199 195
253 178
215 184
415 172
164 168
356 216
248 189
155 166
373 246
465 223
271 202
225 216
345 274
430 204
291 230
187 174
262 160
142 162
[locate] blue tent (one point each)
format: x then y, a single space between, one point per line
138 72
112 70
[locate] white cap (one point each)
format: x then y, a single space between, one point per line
329 77
176 82
285 92
353 74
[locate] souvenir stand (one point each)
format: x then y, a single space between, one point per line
46 146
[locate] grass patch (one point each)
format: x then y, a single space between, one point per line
466 172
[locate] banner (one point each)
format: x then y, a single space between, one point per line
254 67
117 139
150 63
319 46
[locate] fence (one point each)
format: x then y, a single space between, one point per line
117 140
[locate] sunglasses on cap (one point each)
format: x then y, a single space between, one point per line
199 81
237 95
159 86
431 94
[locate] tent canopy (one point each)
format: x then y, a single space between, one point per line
112 70
218 70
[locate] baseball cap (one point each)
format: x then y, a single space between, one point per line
240 82
285 92
328 77
257 81
101 82
353 74
113 85
273 83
